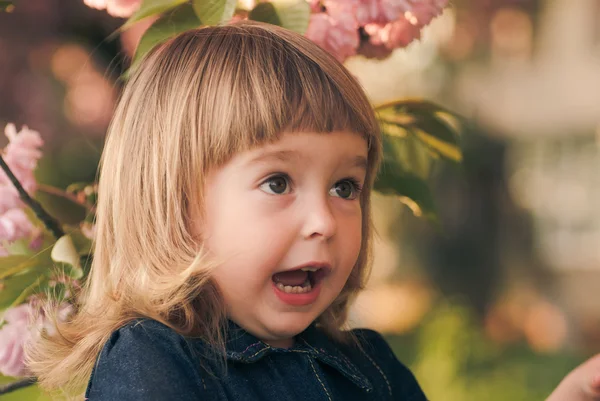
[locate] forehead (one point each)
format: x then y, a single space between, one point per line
344 147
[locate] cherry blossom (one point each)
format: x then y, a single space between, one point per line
116 8
13 336
21 155
387 24
336 31
24 323
336 25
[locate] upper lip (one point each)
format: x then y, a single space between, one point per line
321 265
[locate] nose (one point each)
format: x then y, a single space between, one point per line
319 220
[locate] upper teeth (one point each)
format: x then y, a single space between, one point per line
309 269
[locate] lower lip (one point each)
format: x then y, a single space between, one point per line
306 298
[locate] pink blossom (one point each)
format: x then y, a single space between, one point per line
407 27
369 50
116 8
97 4
315 5
335 31
14 224
394 34
21 155
379 11
13 336
23 324
421 13
389 23
37 239
9 197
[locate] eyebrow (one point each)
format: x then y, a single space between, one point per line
285 155
282 155
360 162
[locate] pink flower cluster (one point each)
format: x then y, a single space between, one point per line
24 323
13 336
21 155
116 8
372 28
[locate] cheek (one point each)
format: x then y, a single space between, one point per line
350 232
246 236
242 225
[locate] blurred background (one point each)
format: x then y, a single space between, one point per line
496 301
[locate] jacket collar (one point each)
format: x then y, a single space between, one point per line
242 346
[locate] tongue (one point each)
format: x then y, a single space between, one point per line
294 277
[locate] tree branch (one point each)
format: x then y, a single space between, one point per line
16 385
50 222
64 194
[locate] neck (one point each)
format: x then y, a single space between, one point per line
281 343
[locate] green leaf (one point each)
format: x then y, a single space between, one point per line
16 264
445 149
175 21
412 155
19 287
393 129
149 8
413 105
433 125
290 14
18 247
214 12
392 180
29 290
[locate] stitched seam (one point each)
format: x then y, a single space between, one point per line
258 352
250 346
344 360
335 358
319 379
382 374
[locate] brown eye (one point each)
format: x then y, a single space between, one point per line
346 189
277 185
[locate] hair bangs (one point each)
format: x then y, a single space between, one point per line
260 88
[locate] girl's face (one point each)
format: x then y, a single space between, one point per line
276 211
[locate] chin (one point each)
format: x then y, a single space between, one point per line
289 326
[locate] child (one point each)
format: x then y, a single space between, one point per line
582 383
233 230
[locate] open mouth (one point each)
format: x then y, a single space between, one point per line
301 280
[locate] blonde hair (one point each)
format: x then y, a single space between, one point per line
195 101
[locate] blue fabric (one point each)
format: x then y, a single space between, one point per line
146 360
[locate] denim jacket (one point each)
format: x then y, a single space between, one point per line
146 360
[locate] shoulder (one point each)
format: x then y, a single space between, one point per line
143 358
377 357
140 334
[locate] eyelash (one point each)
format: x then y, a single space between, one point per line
355 183
357 187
